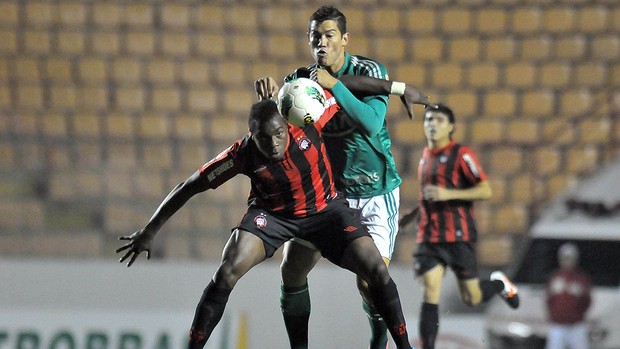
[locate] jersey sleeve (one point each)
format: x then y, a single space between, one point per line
368 113
224 166
471 166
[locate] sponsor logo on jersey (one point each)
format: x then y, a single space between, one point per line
226 165
260 221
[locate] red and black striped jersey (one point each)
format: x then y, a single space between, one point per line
299 184
454 166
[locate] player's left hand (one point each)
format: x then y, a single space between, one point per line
414 96
266 88
138 242
435 193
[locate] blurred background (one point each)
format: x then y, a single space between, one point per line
106 105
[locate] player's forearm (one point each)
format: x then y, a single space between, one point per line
482 191
366 85
171 204
369 115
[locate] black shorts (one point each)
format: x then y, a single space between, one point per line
459 256
330 230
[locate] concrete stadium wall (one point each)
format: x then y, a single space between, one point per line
75 304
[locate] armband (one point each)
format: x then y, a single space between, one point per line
398 88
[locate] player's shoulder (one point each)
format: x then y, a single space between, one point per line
364 59
369 66
463 148
293 75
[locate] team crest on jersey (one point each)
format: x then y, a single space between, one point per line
443 159
304 144
260 221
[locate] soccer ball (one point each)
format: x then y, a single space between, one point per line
301 101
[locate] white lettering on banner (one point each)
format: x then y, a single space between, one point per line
94 330
66 339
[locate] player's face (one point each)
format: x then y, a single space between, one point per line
437 128
271 137
327 44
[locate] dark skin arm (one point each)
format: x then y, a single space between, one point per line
409 217
141 240
366 85
267 87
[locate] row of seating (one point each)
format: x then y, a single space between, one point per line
393 16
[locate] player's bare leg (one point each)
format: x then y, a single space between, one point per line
243 251
470 291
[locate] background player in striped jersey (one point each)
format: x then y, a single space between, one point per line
292 195
358 145
451 179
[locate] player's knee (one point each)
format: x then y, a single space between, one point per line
293 274
377 274
227 275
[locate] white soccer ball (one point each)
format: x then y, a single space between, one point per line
301 101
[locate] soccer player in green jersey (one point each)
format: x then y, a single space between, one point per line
358 145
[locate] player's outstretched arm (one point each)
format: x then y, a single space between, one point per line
366 85
140 241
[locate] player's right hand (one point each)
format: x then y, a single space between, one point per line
414 96
266 88
138 242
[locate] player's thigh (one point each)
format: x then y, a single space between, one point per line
298 259
243 251
362 258
432 280
470 291
379 214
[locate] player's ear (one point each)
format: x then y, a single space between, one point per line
345 39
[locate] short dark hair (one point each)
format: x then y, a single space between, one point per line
326 13
262 111
442 108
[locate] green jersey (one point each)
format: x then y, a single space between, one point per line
357 139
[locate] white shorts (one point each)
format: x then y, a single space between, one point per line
380 215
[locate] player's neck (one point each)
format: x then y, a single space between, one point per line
438 144
337 65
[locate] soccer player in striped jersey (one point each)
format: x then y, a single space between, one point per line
292 195
451 179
